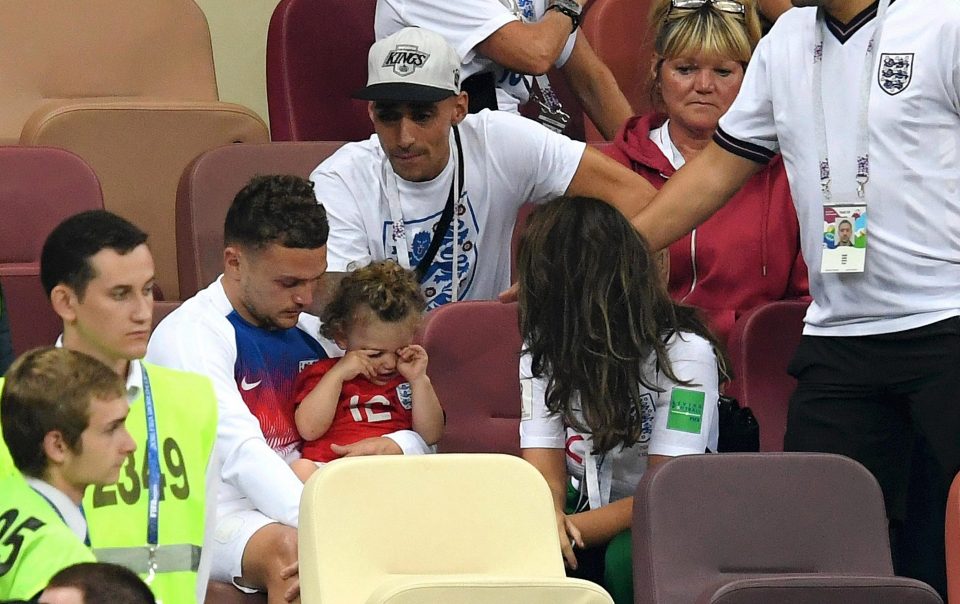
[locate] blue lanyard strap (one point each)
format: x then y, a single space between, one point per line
153 463
86 537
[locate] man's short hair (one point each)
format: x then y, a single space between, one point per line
49 389
66 252
103 582
279 209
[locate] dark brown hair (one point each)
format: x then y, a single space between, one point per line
593 307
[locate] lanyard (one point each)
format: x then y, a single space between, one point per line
153 473
399 234
863 133
86 537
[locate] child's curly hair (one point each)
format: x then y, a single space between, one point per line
387 289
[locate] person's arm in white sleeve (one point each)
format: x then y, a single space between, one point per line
685 422
209 519
249 464
542 439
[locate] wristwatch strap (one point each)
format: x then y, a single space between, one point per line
568 8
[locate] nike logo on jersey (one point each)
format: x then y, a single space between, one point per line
245 385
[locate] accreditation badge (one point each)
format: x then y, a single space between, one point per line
844 238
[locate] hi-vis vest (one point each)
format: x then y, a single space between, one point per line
35 544
186 412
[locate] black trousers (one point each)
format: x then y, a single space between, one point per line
891 402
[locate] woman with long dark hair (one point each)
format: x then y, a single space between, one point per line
615 376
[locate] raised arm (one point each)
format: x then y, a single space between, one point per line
596 88
530 48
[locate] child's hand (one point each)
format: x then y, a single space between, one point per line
354 363
412 362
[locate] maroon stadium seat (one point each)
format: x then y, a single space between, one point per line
474 350
317 58
39 188
748 528
760 348
207 188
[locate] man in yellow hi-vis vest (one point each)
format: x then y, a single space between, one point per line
63 415
99 274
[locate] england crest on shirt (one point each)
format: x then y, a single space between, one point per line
437 283
405 395
895 72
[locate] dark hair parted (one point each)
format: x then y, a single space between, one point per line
593 307
384 288
104 582
46 390
66 252
279 209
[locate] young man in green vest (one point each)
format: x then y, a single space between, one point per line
63 415
99 273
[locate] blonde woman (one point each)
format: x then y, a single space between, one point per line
748 253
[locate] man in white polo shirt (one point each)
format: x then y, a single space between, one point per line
863 102
435 184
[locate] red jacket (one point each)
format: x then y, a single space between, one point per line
746 254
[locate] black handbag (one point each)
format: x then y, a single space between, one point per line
739 430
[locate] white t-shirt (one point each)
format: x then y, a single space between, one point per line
465 24
680 420
508 160
912 273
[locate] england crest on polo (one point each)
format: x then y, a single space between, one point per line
895 72
405 59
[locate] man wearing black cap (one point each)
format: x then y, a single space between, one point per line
438 190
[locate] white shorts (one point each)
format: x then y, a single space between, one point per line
236 523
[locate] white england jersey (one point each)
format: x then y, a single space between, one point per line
912 273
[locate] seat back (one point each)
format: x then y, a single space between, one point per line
207 188
760 348
238 31
824 588
139 150
617 32
317 58
57 50
474 350
366 519
953 541
39 188
705 520
479 589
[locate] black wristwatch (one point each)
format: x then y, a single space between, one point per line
569 8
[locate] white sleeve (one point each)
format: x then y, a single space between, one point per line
566 51
748 128
209 518
347 242
539 160
539 429
685 421
463 23
249 464
410 442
